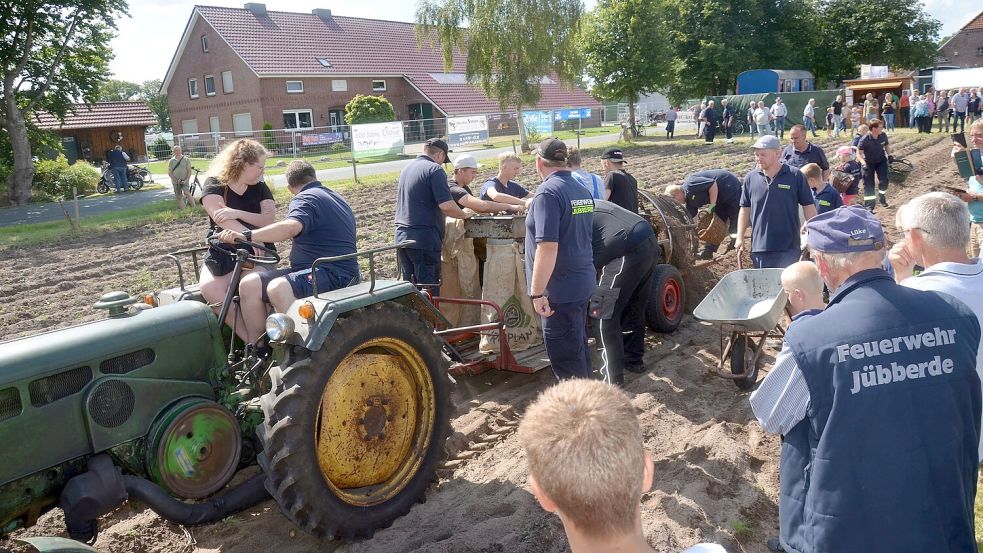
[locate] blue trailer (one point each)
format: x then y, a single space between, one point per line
774 81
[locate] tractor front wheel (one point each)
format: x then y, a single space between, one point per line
354 431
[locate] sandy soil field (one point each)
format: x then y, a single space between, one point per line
716 472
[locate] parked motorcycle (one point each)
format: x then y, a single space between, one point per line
135 174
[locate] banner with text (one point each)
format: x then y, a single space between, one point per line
538 122
568 114
465 131
377 139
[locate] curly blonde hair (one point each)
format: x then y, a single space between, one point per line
230 162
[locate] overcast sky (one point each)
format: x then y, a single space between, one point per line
147 40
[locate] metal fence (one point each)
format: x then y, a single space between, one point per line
335 142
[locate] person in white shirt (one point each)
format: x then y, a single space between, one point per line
778 112
762 116
935 231
809 116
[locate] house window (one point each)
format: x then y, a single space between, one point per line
339 85
295 87
209 85
378 86
298 119
227 82
979 51
213 125
336 118
242 124
189 126
193 87
204 43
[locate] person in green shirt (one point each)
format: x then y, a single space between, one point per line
179 169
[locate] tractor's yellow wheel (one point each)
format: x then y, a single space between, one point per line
353 431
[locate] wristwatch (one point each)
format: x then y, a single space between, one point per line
248 235
535 296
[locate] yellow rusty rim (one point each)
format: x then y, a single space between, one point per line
376 421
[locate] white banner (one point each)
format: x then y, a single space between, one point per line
463 131
377 139
685 119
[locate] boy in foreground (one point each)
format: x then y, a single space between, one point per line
586 463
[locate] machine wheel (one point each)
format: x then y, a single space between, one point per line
103 186
664 311
353 432
136 183
739 363
740 127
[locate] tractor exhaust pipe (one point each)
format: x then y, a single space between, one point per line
103 488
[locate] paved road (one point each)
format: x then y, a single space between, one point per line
44 212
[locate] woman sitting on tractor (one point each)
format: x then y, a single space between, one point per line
235 198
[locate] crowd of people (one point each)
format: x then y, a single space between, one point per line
896 345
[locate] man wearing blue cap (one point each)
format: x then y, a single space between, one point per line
879 404
770 201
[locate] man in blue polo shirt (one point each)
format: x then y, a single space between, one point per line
422 200
770 201
502 187
879 401
801 152
559 260
874 153
717 189
321 224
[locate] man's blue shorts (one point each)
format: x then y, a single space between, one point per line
302 283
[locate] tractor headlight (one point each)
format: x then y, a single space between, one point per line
279 326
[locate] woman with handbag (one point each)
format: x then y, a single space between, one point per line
235 198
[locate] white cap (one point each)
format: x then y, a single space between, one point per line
465 160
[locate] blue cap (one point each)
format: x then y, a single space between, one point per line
845 230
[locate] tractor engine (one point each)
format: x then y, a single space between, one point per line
136 388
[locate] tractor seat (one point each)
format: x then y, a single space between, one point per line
174 295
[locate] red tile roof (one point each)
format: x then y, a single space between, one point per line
285 43
100 114
975 24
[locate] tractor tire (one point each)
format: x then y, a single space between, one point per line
353 432
664 310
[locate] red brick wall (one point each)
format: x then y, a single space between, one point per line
961 49
194 63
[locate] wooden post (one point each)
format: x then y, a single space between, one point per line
354 162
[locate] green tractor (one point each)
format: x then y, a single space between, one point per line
158 402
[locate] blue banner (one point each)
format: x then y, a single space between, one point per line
540 122
566 114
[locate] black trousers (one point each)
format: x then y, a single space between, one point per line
619 308
871 197
708 132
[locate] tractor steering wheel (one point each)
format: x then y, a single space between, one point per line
271 257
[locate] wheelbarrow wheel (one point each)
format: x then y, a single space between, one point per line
740 357
664 311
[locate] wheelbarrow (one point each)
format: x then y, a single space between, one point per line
747 304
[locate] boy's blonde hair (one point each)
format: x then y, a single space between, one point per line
584 447
803 276
231 161
506 158
812 171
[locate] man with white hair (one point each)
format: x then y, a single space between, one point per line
881 397
935 234
779 112
960 105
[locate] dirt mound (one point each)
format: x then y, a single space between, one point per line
716 473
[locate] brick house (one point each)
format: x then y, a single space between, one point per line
89 131
965 48
238 68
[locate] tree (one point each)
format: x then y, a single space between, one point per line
521 42
114 90
369 109
878 32
625 50
53 53
157 102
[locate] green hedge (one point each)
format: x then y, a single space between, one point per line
54 178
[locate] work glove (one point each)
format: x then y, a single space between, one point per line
711 207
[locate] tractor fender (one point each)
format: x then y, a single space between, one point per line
329 306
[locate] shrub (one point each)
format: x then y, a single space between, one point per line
369 109
269 140
160 149
54 178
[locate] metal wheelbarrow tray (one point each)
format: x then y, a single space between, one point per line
747 305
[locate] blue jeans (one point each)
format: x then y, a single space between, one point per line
959 118
779 260
837 123
120 176
810 124
565 336
889 121
780 126
421 267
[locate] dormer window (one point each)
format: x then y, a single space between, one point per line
204 43
324 62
